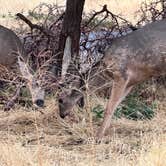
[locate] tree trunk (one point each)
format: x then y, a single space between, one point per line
71 27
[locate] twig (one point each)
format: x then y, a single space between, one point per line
12 101
114 17
34 26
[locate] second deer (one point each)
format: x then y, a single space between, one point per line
131 59
12 56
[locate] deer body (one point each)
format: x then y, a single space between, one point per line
10 46
142 49
131 59
12 56
134 58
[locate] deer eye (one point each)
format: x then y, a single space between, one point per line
35 83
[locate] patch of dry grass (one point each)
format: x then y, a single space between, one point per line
30 138
122 6
126 8
22 5
137 148
15 154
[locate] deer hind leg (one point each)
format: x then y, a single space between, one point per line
121 88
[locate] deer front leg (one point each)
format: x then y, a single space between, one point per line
120 90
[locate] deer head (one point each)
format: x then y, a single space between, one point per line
68 100
36 90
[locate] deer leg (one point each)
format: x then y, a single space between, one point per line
120 90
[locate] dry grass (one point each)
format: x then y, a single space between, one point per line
30 138
123 6
22 5
127 8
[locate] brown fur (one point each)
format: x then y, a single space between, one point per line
130 60
12 56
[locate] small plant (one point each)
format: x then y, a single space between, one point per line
98 111
9 15
135 109
132 108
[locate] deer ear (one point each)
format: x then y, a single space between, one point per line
24 69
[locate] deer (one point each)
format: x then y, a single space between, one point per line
130 59
97 81
14 58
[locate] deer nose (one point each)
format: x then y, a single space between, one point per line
62 108
39 102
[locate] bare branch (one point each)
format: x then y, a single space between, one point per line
34 26
114 17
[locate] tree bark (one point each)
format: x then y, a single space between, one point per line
71 27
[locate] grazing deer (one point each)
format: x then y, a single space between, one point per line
98 81
132 59
12 56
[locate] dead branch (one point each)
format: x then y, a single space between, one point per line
150 12
34 26
114 17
